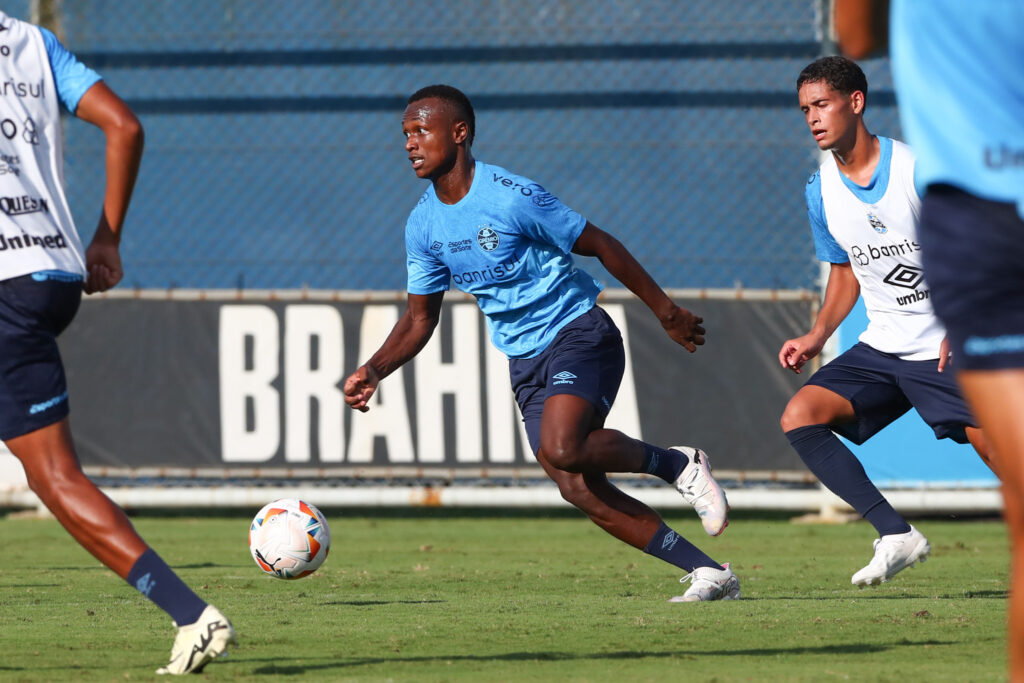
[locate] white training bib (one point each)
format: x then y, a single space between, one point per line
881 240
36 228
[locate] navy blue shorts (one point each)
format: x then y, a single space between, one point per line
882 387
973 254
586 359
34 309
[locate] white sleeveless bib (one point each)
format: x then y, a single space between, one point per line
881 241
36 228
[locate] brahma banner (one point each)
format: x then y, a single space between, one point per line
206 380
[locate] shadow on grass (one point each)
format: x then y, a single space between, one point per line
364 603
853 648
198 565
865 595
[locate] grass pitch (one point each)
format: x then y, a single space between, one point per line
435 595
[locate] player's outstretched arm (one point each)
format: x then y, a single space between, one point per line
101 107
681 325
840 296
862 27
408 337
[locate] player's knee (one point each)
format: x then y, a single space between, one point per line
800 413
564 455
51 482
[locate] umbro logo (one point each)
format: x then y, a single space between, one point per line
670 540
904 276
145 584
565 377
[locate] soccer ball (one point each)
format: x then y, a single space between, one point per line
289 538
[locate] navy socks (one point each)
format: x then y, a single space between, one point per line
663 462
669 546
151 576
838 469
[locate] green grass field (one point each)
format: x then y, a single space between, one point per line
435 595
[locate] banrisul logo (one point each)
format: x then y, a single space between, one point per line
487 238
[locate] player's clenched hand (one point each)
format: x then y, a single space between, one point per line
359 387
684 328
102 266
796 352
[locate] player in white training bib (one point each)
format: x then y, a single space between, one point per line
43 272
864 211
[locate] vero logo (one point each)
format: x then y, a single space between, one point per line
564 377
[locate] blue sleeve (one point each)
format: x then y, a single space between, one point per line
543 218
825 246
426 273
72 77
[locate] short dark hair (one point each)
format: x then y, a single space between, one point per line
452 96
841 74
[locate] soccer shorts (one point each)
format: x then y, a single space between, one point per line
34 309
882 387
585 359
973 256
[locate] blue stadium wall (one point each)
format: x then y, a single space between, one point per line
274 156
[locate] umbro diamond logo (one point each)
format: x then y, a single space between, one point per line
904 276
565 377
145 584
670 540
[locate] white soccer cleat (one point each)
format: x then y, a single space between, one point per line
200 643
700 490
893 554
708 583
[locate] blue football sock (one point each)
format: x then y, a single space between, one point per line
151 576
669 546
838 469
663 462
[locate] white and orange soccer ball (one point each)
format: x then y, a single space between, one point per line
289 538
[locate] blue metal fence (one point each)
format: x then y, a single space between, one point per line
274 155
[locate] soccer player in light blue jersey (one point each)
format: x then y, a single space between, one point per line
958 68
43 271
508 242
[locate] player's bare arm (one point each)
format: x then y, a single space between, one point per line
840 297
101 107
680 324
862 27
408 337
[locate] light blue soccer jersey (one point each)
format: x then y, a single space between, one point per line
508 242
959 70
71 77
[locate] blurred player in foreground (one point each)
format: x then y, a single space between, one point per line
507 241
42 275
958 68
863 211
